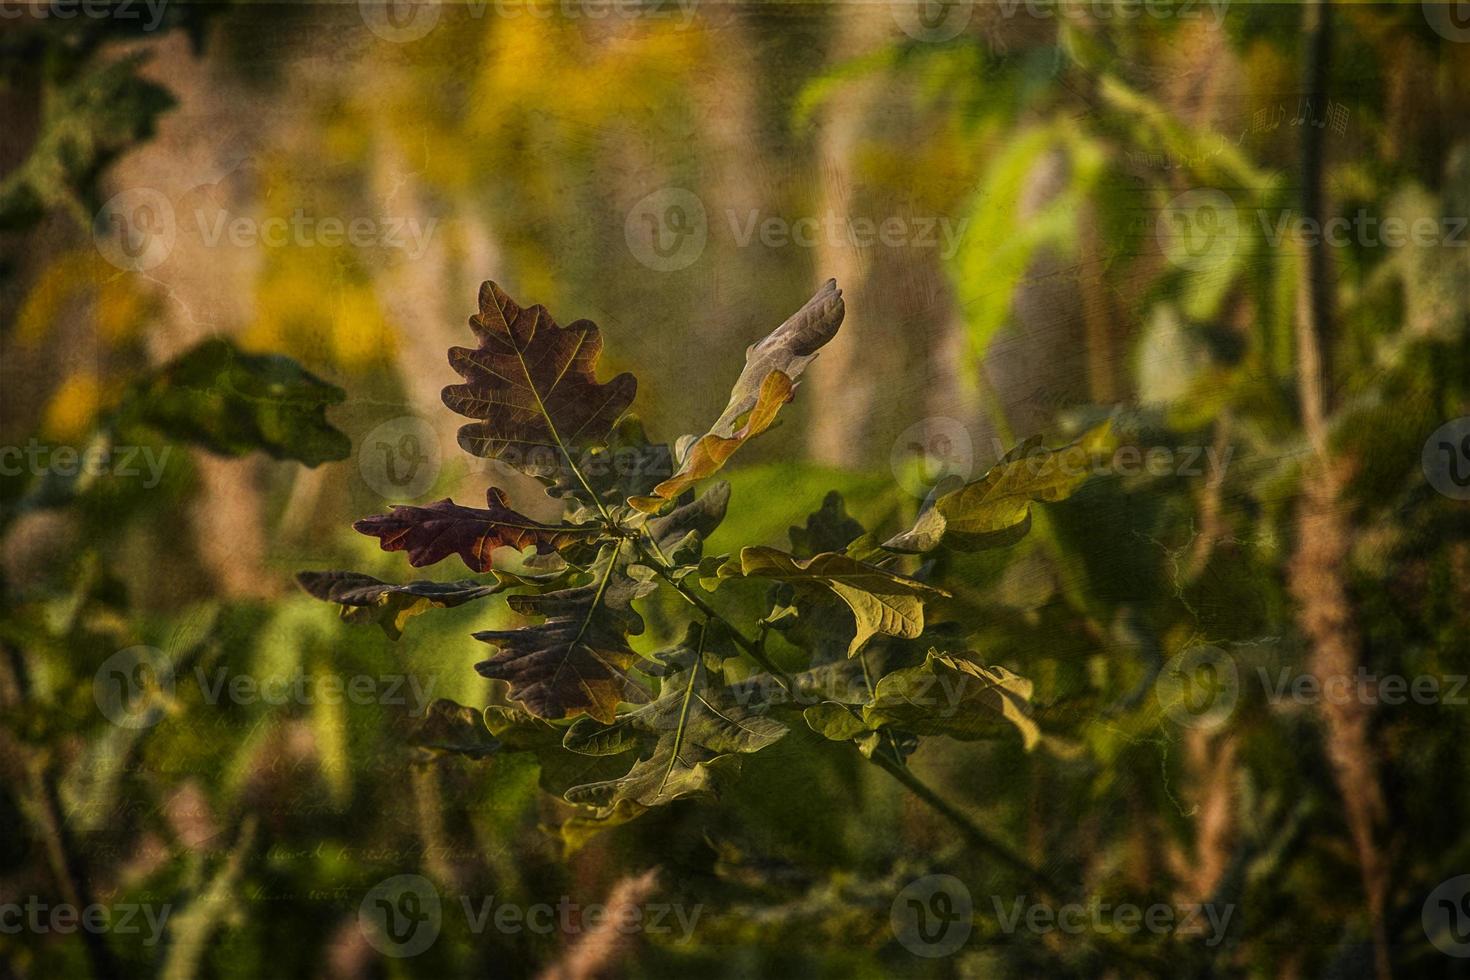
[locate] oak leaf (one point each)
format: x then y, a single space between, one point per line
532 386
954 694
365 599
577 660
691 734
431 534
881 601
995 510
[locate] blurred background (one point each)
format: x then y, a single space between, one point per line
1239 229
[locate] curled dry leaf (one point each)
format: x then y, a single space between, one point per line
768 381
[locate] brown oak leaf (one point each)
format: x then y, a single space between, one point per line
576 661
533 387
443 528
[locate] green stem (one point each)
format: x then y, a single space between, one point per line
684 709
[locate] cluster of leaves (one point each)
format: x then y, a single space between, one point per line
615 731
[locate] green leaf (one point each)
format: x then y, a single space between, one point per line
998 245
533 387
697 731
767 382
838 682
954 694
365 599
518 730
233 403
577 661
835 722
995 510
881 601
588 822
708 571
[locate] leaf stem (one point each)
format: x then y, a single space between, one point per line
684 710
